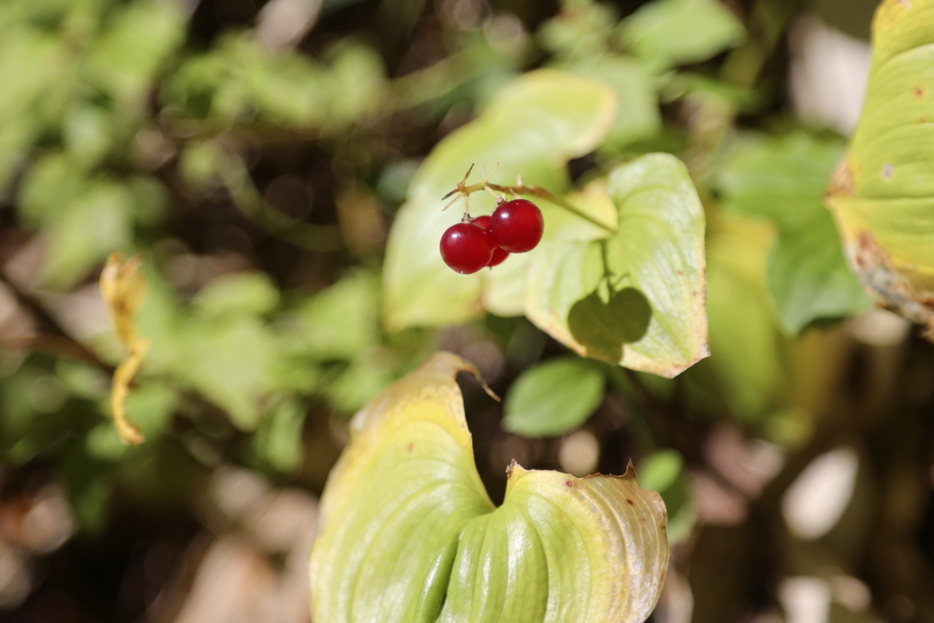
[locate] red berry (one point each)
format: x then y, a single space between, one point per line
481 221
498 254
467 248
517 226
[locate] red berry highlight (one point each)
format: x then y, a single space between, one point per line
499 255
467 248
517 226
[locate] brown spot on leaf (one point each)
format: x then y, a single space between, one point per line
569 483
410 447
918 92
628 501
842 184
895 292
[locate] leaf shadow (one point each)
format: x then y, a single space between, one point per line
603 323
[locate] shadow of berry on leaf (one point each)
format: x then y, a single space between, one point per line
604 324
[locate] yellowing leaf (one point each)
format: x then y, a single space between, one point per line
408 533
882 195
123 288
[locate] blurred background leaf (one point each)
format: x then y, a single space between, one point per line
782 179
553 397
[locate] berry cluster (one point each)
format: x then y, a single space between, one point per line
515 227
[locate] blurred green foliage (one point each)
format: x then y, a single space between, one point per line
114 119
259 176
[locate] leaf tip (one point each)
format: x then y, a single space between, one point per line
630 471
444 362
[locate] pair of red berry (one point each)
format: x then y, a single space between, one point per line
515 227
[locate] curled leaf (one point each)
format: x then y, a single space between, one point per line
408 533
123 288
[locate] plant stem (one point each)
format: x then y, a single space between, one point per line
535 191
465 191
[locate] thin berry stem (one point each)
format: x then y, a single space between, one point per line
463 190
535 191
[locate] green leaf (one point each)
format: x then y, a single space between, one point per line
279 440
198 163
86 230
667 33
745 337
368 373
408 533
340 321
229 360
133 47
882 195
660 470
663 471
357 83
103 443
554 397
637 298
282 87
531 129
582 31
782 179
779 178
638 117
29 64
87 133
809 279
150 198
53 181
150 406
250 294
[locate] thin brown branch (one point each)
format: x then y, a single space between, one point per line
52 338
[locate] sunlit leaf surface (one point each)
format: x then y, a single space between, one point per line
408 533
883 193
636 298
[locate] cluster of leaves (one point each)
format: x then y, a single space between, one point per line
113 116
123 128
111 119
632 292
